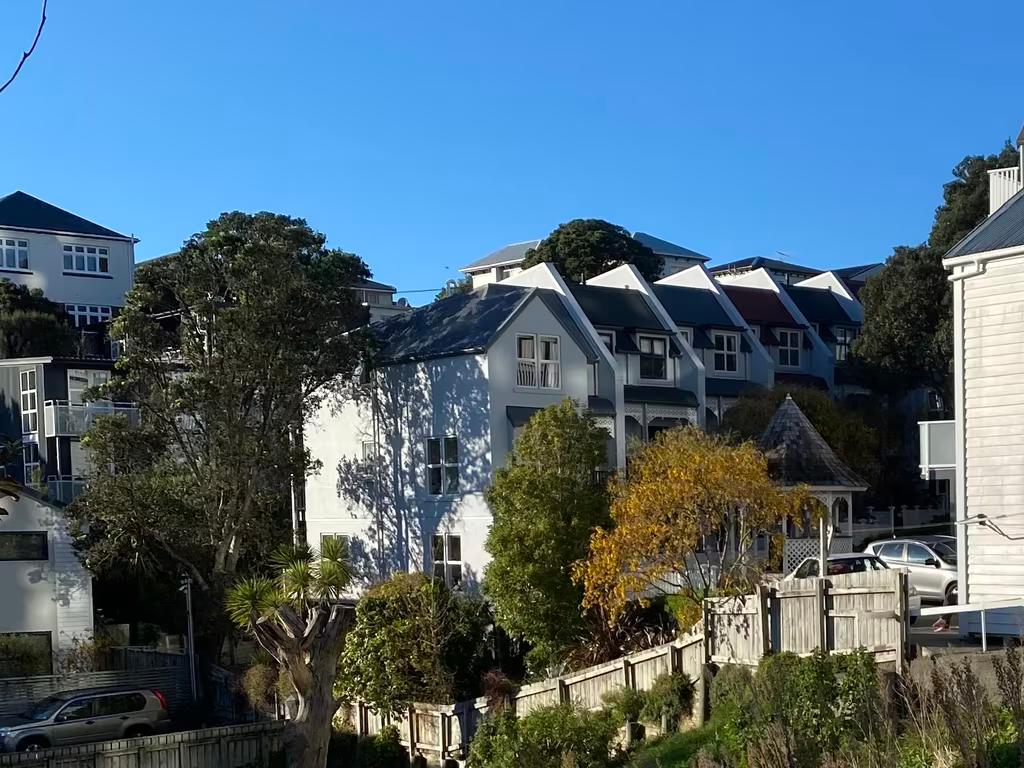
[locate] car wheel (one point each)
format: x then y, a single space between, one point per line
952 594
138 731
33 744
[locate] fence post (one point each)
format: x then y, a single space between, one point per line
563 691
705 627
444 721
903 610
626 676
763 613
822 605
412 731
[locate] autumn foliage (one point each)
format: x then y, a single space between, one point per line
692 504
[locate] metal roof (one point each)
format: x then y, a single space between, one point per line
665 248
693 306
654 394
760 306
509 254
23 211
756 262
616 307
1003 229
728 387
819 305
373 285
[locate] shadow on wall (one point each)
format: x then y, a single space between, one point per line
411 403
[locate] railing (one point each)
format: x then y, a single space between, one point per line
938 446
1003 183
66 419
526 374
64 489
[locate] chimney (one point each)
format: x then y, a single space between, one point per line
1004 183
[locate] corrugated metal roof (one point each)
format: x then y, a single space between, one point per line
693 306
1003 229
665 248
760 306
509 254
819 305
24 211
615 307
756 262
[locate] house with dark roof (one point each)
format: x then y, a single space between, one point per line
822 308
785 272
84 266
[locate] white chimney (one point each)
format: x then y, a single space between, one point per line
1004 183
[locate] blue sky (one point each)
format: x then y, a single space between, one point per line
424 135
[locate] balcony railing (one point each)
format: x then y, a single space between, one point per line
64 489
67 419
938 446
1003 183
526 374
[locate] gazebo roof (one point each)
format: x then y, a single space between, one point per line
798 455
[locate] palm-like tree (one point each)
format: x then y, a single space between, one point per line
298 616
10 451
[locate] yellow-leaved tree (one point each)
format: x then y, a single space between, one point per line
691 504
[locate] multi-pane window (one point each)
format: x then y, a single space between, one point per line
342 539
86 258
653 358
726 353
18 545
81 379
537 362
608 339
86 314
15 254
550 365
789 348
442 465
30 461
29 404
844 338
446 556
526 361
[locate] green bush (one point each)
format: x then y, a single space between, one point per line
625 704
670 700
732 692
383 750
548 737
20 657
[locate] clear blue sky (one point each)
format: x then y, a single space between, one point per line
422 135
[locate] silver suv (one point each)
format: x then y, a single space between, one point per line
92 714
930 561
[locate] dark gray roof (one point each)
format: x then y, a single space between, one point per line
1003 229
616 307
854 272
728 387
665 248
600 406
373 285
819 305
509 254
635 393
26 212
693 306
466 324
756 262
798 455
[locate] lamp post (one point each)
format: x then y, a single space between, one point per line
186 587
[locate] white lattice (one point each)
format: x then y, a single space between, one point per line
606 423
671 412
798 550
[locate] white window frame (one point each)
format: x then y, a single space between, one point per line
14 254
538 371
651 355
608 339
687 334
86 314
788 350
85 259
443 467
93 378
31 462
29 381
725 352
526 365
844 342
451 566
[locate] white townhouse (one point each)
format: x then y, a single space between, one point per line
75 262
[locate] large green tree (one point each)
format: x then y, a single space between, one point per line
907 338
545 504
31 324
582 248
229 345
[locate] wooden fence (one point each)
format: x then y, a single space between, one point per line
239 746
838 614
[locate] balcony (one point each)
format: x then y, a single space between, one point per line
64 489
938 450
1003 183
67 419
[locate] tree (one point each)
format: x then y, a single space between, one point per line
10 452
297 618
691 500
907 337
31 324
455 288
229 345
582 248
414 640
545 503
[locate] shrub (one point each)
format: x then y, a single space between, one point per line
383 750
732 693
1010 679
497 688
669 701
258 683
20 657
625 704
966 711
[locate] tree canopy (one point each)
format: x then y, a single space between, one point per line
582 248
31 324
455 288
545 504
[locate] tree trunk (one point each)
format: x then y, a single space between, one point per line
310 739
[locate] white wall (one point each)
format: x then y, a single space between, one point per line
46 269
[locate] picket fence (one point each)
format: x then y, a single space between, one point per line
239 746
838 614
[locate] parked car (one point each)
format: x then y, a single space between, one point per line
930 561
853 562
91 714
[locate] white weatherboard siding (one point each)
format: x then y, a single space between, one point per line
993 423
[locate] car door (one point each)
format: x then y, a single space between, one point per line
892 553
112 713
923 573
75 723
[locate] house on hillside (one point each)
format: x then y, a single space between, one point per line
785 272
379 300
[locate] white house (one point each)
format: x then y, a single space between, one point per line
47 594
75 262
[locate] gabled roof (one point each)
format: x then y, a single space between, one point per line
1003 229
760 306
616 307
692 306
855 273
757 262
798 455
509 254
373 285
665 248
22 211
819 305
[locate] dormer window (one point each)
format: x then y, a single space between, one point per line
789 348
687 335
726 359
653 358
608 339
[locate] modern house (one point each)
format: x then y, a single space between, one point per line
987 273
47 596
379 300
785 272
75 262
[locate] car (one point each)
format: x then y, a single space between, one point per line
929 560
853 562
90 714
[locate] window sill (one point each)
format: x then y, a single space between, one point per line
726 375
94 275
657 382
14 271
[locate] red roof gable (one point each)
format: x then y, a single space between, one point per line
760 306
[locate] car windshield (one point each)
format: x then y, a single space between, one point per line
45 709
945 551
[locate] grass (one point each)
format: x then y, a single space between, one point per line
675 751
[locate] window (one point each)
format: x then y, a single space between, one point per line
726 355
653 358
30 461
86 258
79 709
891 551
80 379
15 253
119 704
341 538
844 337
917 555
537 362
446 555
29 403
18 545
807 569
841 517
608 339
29 654
442 466
687 335
86 314
789 348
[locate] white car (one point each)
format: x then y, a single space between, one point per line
853 562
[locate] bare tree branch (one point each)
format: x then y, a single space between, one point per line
29 52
